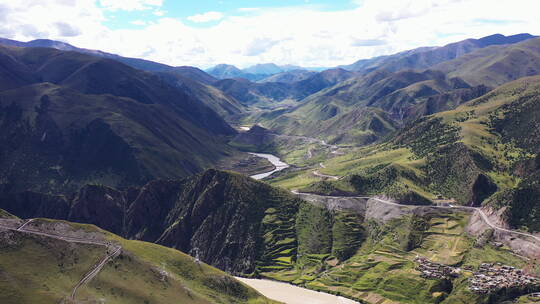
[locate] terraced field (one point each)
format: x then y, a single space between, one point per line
382 270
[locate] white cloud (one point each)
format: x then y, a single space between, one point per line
67 30
139 22
32 19
159 13
260 46
294 35
249 9
206 17
130 5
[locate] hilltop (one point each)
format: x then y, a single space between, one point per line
64 252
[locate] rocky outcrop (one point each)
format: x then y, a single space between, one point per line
215 215
30 204
101 206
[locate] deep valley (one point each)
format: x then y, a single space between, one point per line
407 178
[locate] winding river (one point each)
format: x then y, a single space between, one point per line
283 292
274 160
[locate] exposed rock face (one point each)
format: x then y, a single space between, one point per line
148 212
228 220
30 204
101 206
216 215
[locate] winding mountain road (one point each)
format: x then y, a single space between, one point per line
483 215
95 270
112 251
319 174
490 224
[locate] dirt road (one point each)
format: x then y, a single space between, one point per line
114 250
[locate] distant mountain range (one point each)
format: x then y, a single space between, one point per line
427 57
350 111
258 72
266 93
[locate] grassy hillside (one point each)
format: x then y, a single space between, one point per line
380 268
269 95
69 119
484 147
245 226
224 105
365 109
496 65
38 269
427 57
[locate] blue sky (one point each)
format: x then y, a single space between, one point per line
183 9
310 33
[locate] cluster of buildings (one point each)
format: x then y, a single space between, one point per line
488 278
432 270
492 277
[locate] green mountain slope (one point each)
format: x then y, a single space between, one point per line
224 105
266 94
80 119
483 152
345 246
403 95
364 109
496 65
427 57
44 269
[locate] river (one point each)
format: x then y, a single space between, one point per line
290 294
274 160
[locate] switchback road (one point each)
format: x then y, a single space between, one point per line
112 251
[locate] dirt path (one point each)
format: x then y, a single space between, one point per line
319 174
24 225
490 224
94 271
114 251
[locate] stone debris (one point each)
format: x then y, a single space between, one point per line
493 277
432 270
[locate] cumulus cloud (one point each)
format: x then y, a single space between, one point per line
368 42
259 46
139 22
130 5
303 35
159 13
206 17
32 19
66 30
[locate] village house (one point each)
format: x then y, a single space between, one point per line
432 270
492 277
